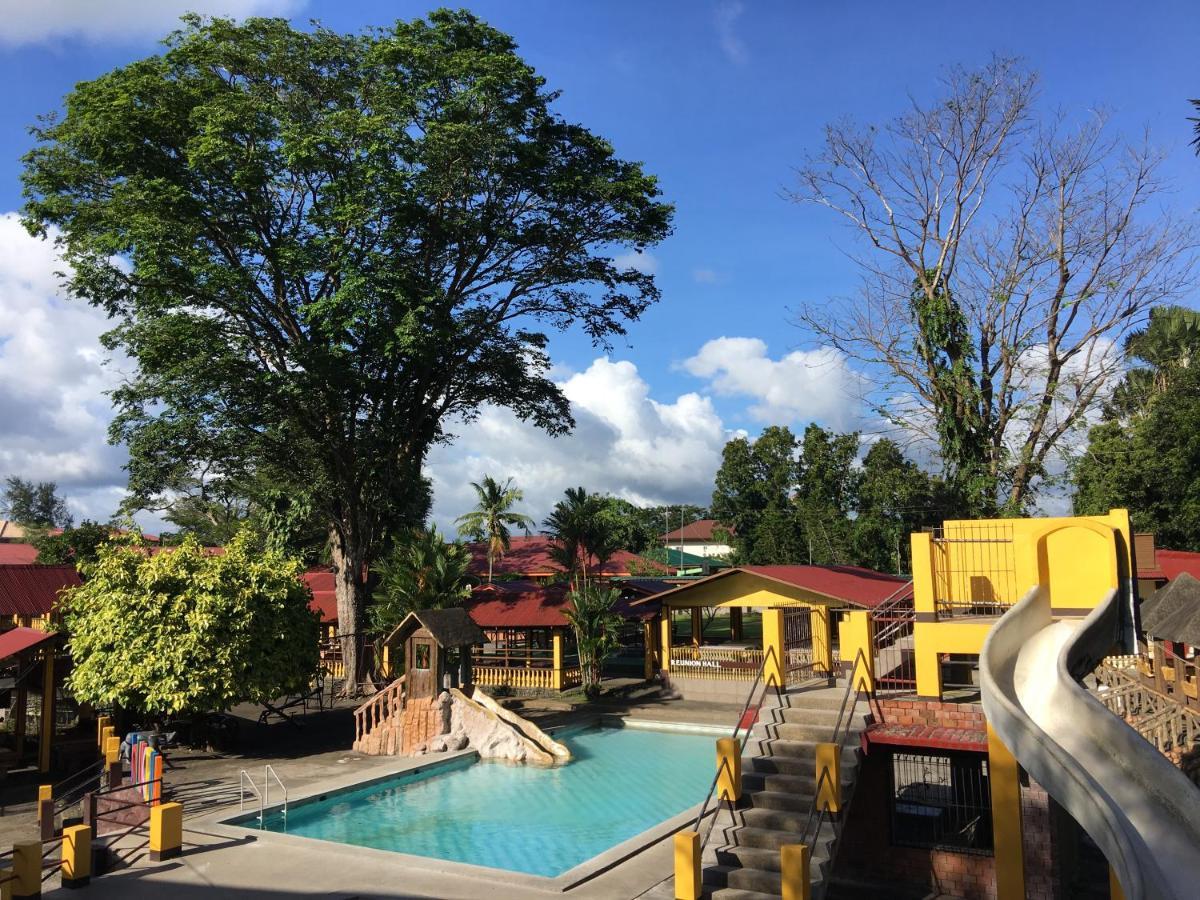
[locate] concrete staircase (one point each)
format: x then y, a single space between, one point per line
741 859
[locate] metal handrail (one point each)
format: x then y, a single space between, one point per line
244 779
66 798
758 678
268 773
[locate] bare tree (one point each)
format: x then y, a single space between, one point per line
1004 257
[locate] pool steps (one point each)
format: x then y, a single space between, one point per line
778 781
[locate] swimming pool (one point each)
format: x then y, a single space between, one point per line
540 821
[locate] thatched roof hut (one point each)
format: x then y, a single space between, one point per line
1173 613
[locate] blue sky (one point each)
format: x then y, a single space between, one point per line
720 101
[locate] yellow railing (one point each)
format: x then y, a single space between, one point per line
719 663
513 677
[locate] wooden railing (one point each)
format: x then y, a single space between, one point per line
1167 724
379 708
719 663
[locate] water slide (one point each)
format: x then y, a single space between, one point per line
1141 811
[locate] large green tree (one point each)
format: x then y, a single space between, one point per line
493 517
73 546
753 494
895 497
320 248
422 571
34 504
184 631
584 532
1145 455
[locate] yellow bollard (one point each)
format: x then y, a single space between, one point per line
829 777
76 856
102 723
45 792
27 866
729 770
112 750
687 865
794 880
166 831
105 733
772 639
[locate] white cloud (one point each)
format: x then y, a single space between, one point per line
31 22
53 380
643 262
803 386
705 276
625 443
725 16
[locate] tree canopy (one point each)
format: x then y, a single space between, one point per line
73 546
320 248
34 504
184 631
422 571
1145 455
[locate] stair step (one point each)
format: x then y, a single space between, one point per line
746 879
738 894
772 839
776 819
809 715
765 860
783 802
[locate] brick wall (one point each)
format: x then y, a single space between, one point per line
867 852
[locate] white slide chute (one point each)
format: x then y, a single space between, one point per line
1141 811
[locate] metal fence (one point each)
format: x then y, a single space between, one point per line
974 569
941 801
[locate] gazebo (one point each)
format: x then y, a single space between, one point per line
436 643
1171 621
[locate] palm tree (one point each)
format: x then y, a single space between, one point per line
1168 343
584 533
596 631
423 571
493 516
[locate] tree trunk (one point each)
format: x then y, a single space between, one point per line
350 586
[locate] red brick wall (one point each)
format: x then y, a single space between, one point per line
866 850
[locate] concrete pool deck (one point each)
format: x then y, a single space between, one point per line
232 860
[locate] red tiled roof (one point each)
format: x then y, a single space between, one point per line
33 590
18 639
850 584
928 736
324 595
1173 563
530 557
519 605
700 530
17 554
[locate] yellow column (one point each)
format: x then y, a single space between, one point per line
729 769
112 750
665 639
1006 820
795 883
822 638
648 645
772 637
856 639
922 572
928 659
829 777
76 855
101 723
556 642
22 711
45 792
697 626
47 709
687 865
27 866
1114 886
166 831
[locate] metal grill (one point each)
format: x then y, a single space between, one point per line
974 569
941 801
797 644
895 663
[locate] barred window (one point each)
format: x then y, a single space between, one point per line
941 801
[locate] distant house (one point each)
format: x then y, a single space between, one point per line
529 558
704 537
29 594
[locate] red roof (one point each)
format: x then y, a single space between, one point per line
700 530
1173 563
18 639
17 554
519 604
850 584
530 557
324 594
33 590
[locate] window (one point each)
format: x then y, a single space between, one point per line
421 656
941 801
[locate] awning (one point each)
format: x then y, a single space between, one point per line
924 737
18 640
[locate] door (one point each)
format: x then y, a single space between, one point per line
420 667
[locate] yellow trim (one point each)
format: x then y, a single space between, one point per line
932 639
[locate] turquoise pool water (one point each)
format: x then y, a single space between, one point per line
542 821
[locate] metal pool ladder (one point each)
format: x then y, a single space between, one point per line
245 781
